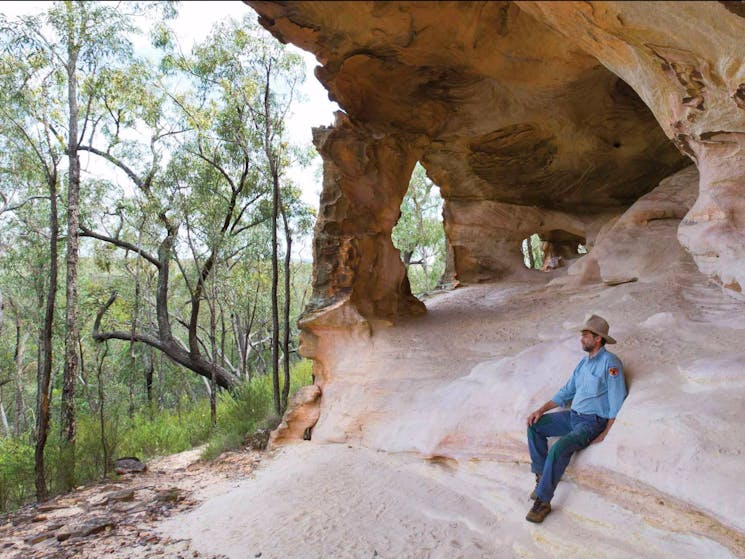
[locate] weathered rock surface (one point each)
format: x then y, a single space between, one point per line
680 58
572 107
129 465
300 418
500 109
557 118
642 242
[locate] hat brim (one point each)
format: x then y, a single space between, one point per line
606 337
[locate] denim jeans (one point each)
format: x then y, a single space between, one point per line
576 431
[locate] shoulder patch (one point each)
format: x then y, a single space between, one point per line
613 371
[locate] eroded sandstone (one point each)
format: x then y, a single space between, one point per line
501 109
685 61
557 118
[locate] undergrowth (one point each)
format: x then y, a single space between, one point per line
240 413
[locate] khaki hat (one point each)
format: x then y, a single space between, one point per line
599 326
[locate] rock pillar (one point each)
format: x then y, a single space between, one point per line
358 276
713 231
365 178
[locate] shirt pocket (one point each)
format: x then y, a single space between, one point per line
595 383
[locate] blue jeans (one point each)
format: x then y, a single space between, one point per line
576 431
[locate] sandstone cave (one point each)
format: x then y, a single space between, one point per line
615 126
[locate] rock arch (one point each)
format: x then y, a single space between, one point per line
529 116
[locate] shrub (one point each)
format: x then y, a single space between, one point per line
249 408
16 473
239 414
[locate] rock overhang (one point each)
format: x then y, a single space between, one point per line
505 108
529 116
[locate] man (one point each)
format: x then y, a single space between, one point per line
596 389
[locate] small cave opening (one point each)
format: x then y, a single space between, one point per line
419 234
552 250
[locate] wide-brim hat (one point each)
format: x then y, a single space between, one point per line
598 326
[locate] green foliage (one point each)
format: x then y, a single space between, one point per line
16 473
186 139
533 244
419 234
167 433
250 408
239 414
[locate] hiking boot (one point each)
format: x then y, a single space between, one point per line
539 511
533 496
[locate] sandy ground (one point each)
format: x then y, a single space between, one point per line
318 501
128 511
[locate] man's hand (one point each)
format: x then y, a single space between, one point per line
535 416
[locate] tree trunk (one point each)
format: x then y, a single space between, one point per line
101 411
161 379
92 403
213 349
20 349
135 313
149 374
44 367
67 424
286 317
3 415
271 159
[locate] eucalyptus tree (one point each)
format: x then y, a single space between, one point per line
220 114
28 112
257 79
66 49
147 223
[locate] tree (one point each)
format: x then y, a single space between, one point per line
419 234
28 109
227 153
278 74
65 50
185 248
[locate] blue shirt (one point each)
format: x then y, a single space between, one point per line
596 386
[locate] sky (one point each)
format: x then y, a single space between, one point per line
194 22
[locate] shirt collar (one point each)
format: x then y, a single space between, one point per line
598 354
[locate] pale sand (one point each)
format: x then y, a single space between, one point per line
322 501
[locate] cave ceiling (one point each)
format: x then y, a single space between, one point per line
505 108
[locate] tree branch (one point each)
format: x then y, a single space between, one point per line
170 347
118 162
85 232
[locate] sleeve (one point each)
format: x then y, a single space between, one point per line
566 392
616 387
